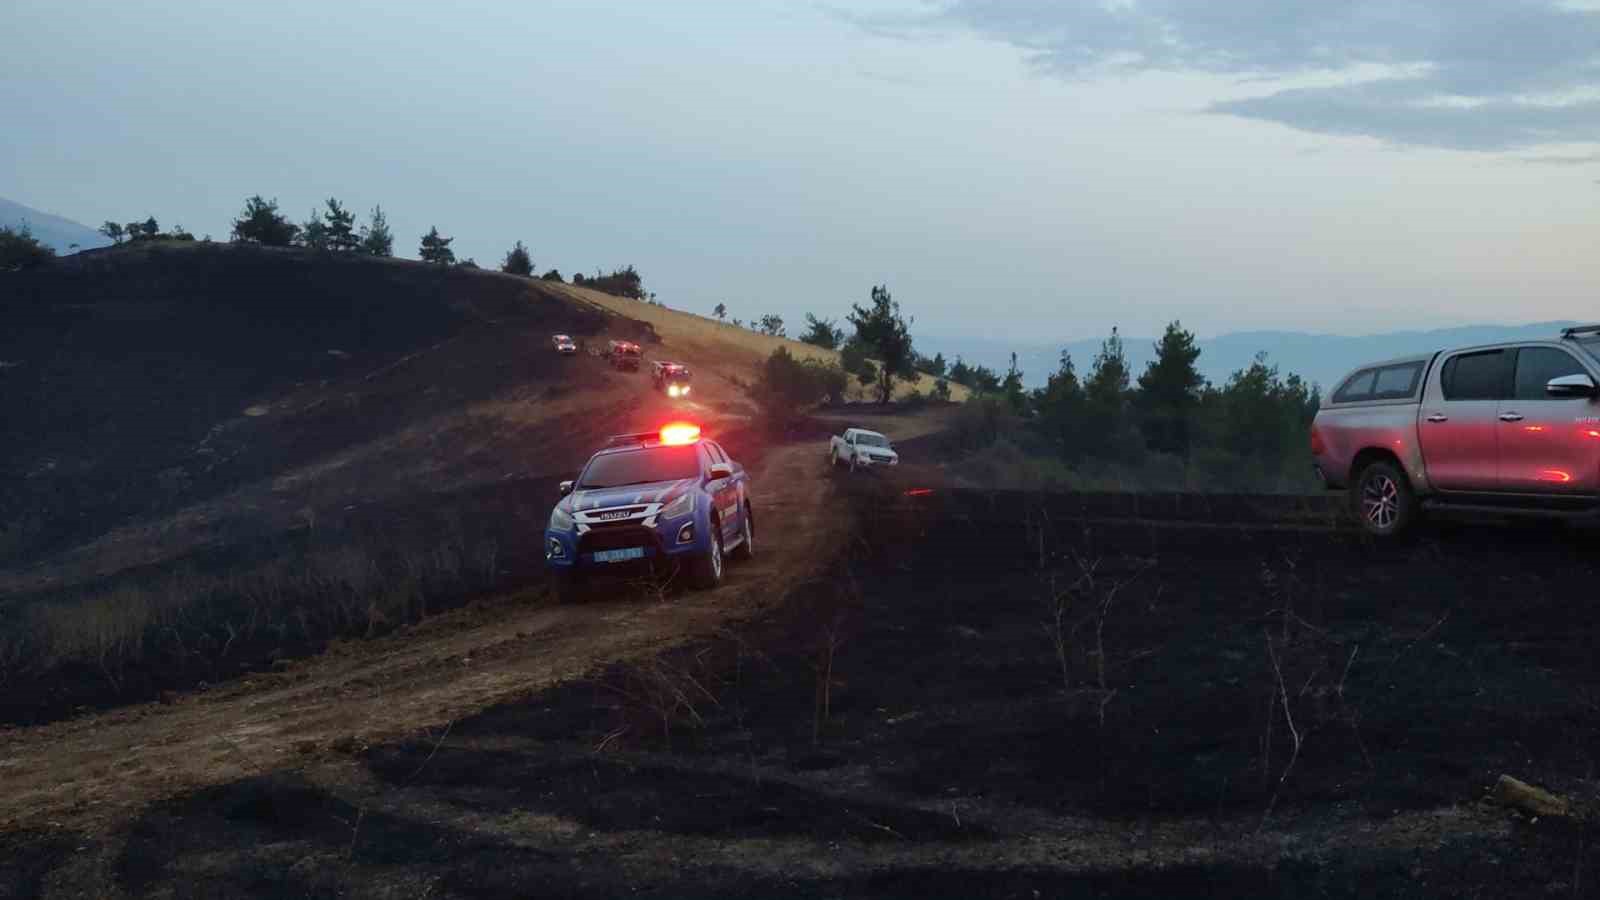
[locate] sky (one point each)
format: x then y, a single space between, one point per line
1017 170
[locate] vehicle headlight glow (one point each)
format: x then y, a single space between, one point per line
674 391
560 519
679 507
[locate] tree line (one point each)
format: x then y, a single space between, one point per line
1254 422
331 229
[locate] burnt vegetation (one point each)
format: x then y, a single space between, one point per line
201 386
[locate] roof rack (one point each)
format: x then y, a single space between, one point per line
1576 330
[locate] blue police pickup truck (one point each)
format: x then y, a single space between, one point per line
661 500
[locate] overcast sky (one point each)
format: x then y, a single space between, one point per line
1026 170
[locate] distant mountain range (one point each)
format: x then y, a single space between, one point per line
55 231
1319 358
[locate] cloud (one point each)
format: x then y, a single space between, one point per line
1487 75
1574 159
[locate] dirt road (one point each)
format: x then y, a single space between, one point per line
96 768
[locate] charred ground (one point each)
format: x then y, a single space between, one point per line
907 724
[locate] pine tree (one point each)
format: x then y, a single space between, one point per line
339 228
314 234
435 248
517 261
376 239
1011 388
261 223
1169 390
886 333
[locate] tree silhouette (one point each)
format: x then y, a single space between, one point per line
435 248
517 261
261 223
376 239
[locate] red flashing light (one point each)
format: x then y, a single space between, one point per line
679 433
919 492
1555 475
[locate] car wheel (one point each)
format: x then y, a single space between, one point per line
747 546
1382 500
707 571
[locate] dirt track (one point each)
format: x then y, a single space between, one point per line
97 767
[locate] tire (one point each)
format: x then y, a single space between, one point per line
1382 500
747 548
852 463
705 572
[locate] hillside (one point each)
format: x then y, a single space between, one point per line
742 348
149 380
65 235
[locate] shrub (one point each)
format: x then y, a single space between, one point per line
786 386
19 249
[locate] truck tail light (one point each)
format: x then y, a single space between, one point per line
1317 446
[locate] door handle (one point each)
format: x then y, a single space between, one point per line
1438 417
1510 417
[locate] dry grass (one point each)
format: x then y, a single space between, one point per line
184 619
725 348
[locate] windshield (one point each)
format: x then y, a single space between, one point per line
871 440
644 466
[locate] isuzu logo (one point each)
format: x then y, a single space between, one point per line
614 515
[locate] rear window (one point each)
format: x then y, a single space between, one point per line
1357 387
1397 382
1475 376
645 466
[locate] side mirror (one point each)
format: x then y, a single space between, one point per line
719 471
1571 386
566 488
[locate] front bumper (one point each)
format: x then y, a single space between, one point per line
662 545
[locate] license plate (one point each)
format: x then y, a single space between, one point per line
610 556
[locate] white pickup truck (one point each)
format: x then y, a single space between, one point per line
859 448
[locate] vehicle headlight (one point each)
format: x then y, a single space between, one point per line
679 507
673 391
560 519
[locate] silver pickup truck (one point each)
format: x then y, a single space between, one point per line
1506 429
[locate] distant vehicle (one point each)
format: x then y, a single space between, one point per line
859 448
671 378
652 500
564 344
625 355
1503 429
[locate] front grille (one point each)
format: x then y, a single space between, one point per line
618 538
